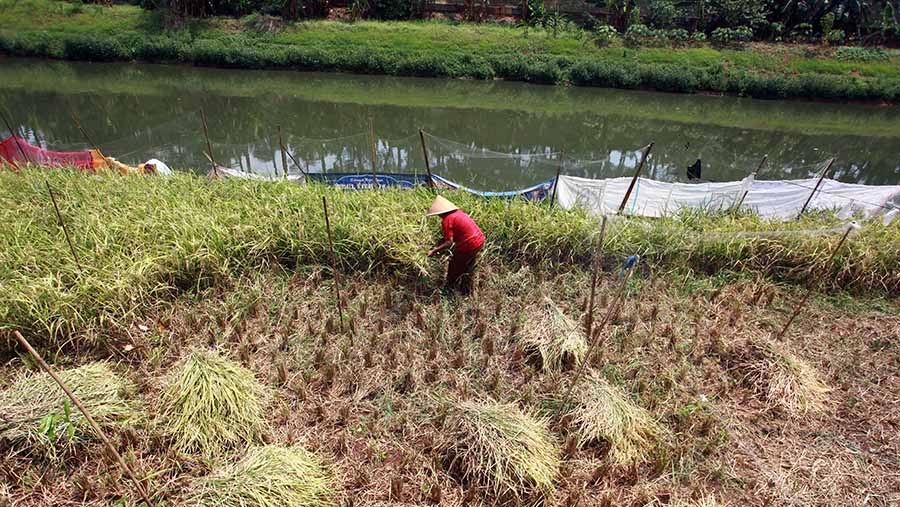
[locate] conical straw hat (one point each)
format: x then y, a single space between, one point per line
440 205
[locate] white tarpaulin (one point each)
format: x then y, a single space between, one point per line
771 199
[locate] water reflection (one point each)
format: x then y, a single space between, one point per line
520 135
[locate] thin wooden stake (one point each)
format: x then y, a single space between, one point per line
337 281
84 133
556 182
425 154
634 178
764 161
297 164
587 357
87 415
209 152
372 145
284 166
816 188
65 229
802 303
16 139
594 275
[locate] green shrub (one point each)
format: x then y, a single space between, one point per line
698 37
642 35
605 35
835 37
678 36
860 54
731 37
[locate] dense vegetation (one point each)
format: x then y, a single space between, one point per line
145 240
206 303
641 58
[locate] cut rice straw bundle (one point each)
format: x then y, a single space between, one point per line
555 337
212 404
268 476
503 449
783 380
606 414
36 414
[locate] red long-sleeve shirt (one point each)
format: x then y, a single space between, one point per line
463 231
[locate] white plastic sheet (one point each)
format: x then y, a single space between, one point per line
771 199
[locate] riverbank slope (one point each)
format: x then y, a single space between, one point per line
437 49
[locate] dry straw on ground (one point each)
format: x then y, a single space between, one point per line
35 414
784 381
605 414
268 476
503 449
212 404
555 337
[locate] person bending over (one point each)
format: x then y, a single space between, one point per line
463 235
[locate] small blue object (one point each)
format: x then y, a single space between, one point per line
629 263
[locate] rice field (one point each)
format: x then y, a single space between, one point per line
206 318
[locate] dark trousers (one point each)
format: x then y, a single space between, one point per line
460 271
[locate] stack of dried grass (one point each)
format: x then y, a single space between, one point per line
503 449
212 404
554 337
784 381
35 414
268 476
605 414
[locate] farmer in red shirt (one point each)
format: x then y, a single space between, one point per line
460 232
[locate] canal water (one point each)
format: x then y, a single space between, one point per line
490 135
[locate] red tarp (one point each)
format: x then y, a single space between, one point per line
10 152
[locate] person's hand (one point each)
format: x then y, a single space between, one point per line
431 252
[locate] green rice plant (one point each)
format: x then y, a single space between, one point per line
142 241
268 476
36 414
605 414
783 380
212 404
502 448
554 337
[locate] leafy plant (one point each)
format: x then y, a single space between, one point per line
605 35
861 54
728 37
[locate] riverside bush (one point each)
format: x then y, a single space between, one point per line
731 37
248 51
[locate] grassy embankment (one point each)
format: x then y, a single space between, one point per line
422 399
63 30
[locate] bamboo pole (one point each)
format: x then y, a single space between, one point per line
84 133
594 275
209 152
802 303
87 415
634 178
88 137
425 154
556 182
16 139
65 229
587 357
337 282
372 145
284 166
816 188
764 161
294 160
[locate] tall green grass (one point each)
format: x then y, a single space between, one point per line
144 240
